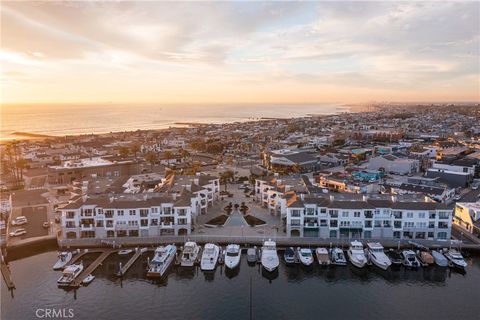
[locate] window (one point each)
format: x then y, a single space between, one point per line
443 215
154 222
132 212
143 213
323 210
396 234
421 215
421 224
368 223
367 234
442 225
345 214
333 223
442 235
430 235
70 214
333 213
120 213
333 233
356 214
108 213
110 234
408 224
386 224
378 223
410 215
397 224
144 222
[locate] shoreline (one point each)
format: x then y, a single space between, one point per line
30 136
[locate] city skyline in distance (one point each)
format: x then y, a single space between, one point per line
154 52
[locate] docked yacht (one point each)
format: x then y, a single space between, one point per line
209 257
338 257
269 255
232 256
63 259
69 274
377 256
305 255
322 256
356 255
440 259
289 256
189 254
395 257
161 260
410 259
425 257
456 259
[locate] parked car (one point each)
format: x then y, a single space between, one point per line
457 198
18 232
18 221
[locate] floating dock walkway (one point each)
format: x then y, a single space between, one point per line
94 265
7 275
130 262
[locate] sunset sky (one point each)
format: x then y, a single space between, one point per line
249 52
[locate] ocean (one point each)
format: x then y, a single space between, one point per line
69 119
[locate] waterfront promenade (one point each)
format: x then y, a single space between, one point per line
282 241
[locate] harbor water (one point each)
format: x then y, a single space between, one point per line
294 292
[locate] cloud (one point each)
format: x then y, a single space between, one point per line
365 45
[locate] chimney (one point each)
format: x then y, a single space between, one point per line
365 198
84 197
332 198
394 198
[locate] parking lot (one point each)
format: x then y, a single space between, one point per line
36 216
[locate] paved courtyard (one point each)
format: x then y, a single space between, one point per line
236 225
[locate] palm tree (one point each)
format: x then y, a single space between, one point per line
151 157
225 177
135 149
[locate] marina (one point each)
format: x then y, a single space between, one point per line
425 286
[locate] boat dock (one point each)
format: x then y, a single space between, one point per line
7 275
130 262
94 265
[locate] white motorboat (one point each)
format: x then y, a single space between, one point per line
209 257
64 258
125 251
410 259
88 279
440 259
338 257
269 255
377 256
456 259
189 254
252 255
356 254
232 256
323 257
161 260
69 274
305 255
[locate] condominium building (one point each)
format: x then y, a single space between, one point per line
372 216
137 215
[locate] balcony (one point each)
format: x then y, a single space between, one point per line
311 225
166 225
